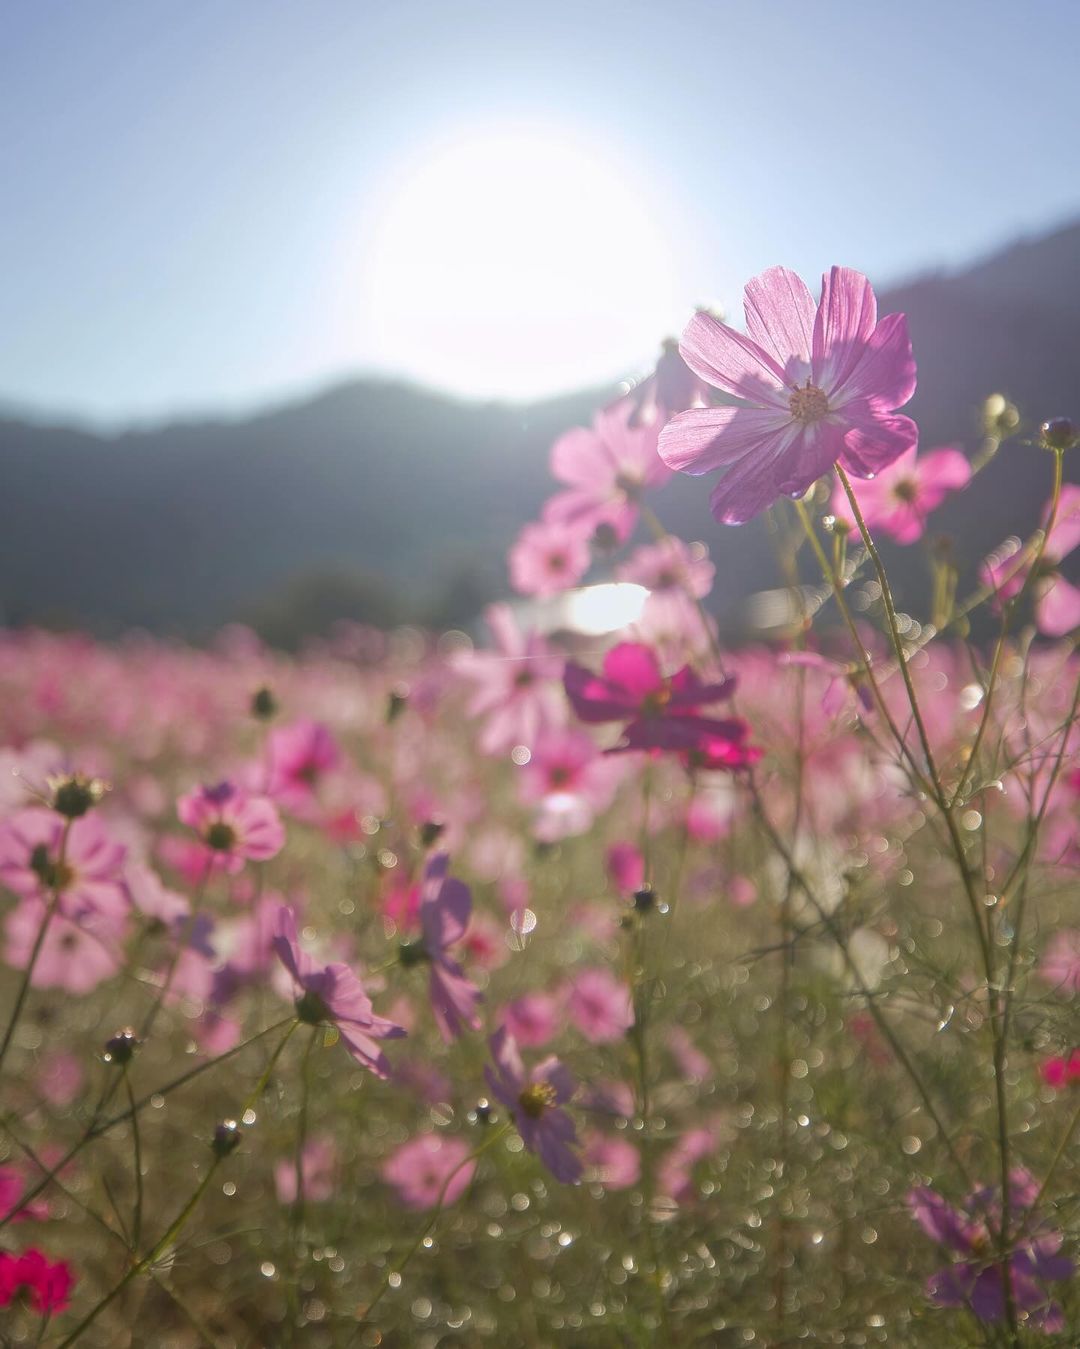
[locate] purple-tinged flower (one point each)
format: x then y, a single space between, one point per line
428 1167
606 470
818 384
333 994
534 1099
547 558
234 827
445 908
661 713
976 1280
88 878
905 493
672 387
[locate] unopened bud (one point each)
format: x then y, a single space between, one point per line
605 539
1000 417
644 899
431 831
395 704
1059 433
264 705
226 1138
120 1048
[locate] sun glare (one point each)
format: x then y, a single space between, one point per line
516 265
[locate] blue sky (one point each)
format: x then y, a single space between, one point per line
212 203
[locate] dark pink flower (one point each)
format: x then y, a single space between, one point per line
626 867
548 558
607 470
906 492
301 756
660 712
89 879
445 907
534 1098
1057 601
1062 1071
818 384
234 827
427 1168
600 1006
49 1283
333 994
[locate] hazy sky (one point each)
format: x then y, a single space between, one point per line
208 203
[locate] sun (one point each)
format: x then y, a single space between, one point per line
517 264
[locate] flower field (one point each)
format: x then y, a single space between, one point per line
549 986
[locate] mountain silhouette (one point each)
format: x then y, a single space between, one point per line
383 501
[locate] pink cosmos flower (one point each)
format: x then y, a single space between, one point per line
75 957
90 878
1060 965
661 713
12 1187
333 993
532 1019
600 1006
613 1163
516 685
234 827
567 763
49 1283
548 558
534 1098
318 1172
670 565
672 387
626 867
301 756
607 470
445 906
675 1175
975 1281
59 1077
428 1167
904 494
1062 1071
819 384
1057 604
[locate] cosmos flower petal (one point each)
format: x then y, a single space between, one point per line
875 438
705 439
885 370
732 362
780 314
846 317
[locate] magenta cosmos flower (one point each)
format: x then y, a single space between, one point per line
606 471
301 756
234 827
902 496
534 1098
427 1169
332 994
975 1280
660 712
48 1282
88 878
819 385
1057 605
445 908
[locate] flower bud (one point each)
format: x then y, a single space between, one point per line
74 794
644 899
120 1048
482 1112
1000 417
264 705
431 831
226 1138
605 539
395 704
1059 433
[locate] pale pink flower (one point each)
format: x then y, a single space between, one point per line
89 879
428 1169
607 470
532 1019
818 384
614 1163
600 1006
1057 601
1060 965
517 692
318 1172
906 492
670 565
59 1077
234 827
75 957
548 558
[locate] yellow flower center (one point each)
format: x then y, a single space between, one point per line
536 1098
808 404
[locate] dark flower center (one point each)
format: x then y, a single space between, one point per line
53 875
412 953
220 836
311 1009
808 404
628 485
654 703
557 561
523 679
906 490
536 1098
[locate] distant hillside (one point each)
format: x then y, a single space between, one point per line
378 498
